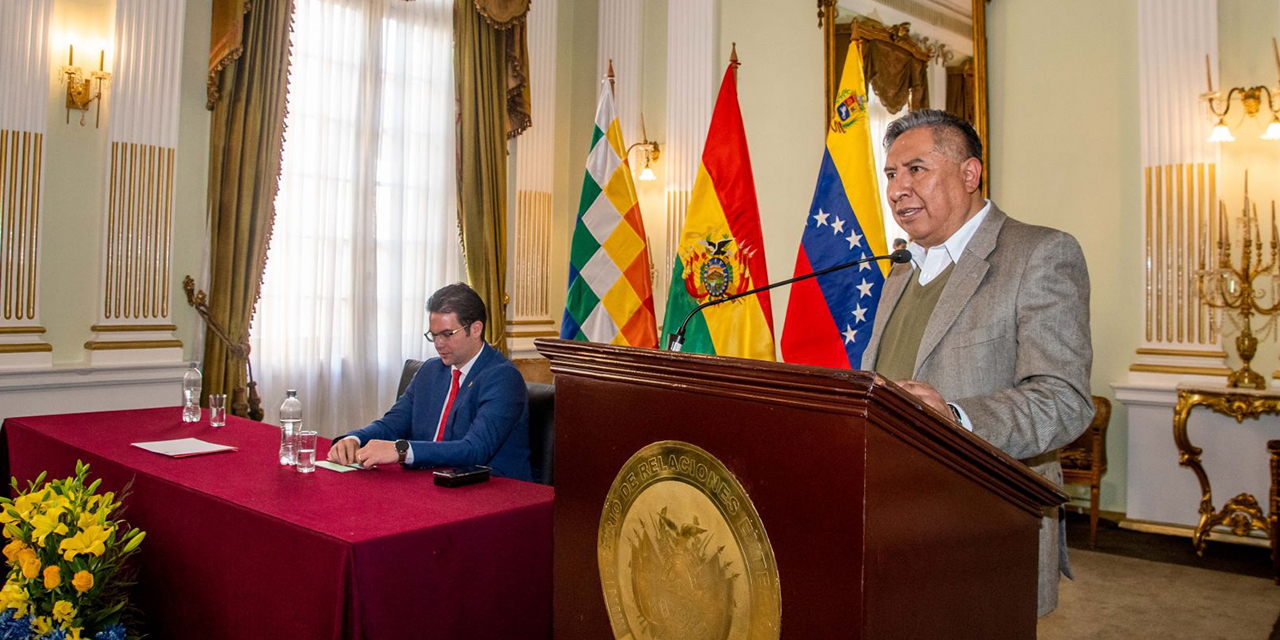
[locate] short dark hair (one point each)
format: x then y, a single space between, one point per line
460 299
951 134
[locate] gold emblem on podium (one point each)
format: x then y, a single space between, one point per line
682 552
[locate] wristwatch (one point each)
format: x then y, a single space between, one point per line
402 448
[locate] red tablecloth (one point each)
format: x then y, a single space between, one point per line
240 547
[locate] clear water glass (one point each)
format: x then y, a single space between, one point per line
217 409
306 451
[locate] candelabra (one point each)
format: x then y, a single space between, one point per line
1235 289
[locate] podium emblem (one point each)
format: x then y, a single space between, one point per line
682 552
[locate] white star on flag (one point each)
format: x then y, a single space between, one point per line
861 313
849 334
864 289
821 217
864 266
854 239
838 226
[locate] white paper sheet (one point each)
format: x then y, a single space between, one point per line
183 447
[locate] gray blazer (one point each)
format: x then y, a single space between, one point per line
1009 343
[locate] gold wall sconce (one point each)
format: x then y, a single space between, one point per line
1250 101
81 88
649 151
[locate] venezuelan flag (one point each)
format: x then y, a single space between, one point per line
721 251
829 318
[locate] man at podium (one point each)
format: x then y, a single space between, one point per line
989 323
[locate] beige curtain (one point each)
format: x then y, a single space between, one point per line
246 133
960 95
896 75
491 69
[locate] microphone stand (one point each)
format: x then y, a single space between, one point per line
901 256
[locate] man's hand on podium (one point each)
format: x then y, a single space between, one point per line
927 394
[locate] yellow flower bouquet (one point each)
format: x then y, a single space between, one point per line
66 557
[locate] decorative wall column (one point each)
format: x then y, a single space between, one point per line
1179 174
692 83
25 76
136 297
531 314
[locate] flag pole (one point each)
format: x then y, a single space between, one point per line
733 61
610 76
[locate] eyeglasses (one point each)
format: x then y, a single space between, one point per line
446 334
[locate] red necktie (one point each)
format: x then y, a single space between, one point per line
453 393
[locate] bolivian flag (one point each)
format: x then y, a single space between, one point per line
721 251
829 318
610 295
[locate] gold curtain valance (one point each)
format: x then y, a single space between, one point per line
226 41
895 66
508 18
503 14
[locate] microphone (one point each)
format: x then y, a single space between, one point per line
901 256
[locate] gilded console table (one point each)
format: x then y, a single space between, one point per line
1241 513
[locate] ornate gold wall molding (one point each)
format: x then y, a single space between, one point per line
138 234
532 257
1179 203
21 157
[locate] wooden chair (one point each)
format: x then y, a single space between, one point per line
1274 518
1085 460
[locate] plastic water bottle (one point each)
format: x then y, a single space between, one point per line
191 394
290 425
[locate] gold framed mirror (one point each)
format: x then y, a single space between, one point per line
967 81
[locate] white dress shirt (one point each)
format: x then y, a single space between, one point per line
933 261
930 263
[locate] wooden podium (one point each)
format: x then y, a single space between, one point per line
885 520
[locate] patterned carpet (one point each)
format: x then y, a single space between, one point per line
1138 585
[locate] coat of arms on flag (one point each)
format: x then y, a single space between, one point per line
721 249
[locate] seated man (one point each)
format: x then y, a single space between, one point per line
468 406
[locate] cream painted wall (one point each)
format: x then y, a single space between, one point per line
1065 152
74 181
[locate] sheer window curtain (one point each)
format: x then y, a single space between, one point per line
366 221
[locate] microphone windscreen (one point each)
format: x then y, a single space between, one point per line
901 256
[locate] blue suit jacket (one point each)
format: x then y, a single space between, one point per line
488 424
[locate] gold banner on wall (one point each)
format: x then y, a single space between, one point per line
21 155
139 228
